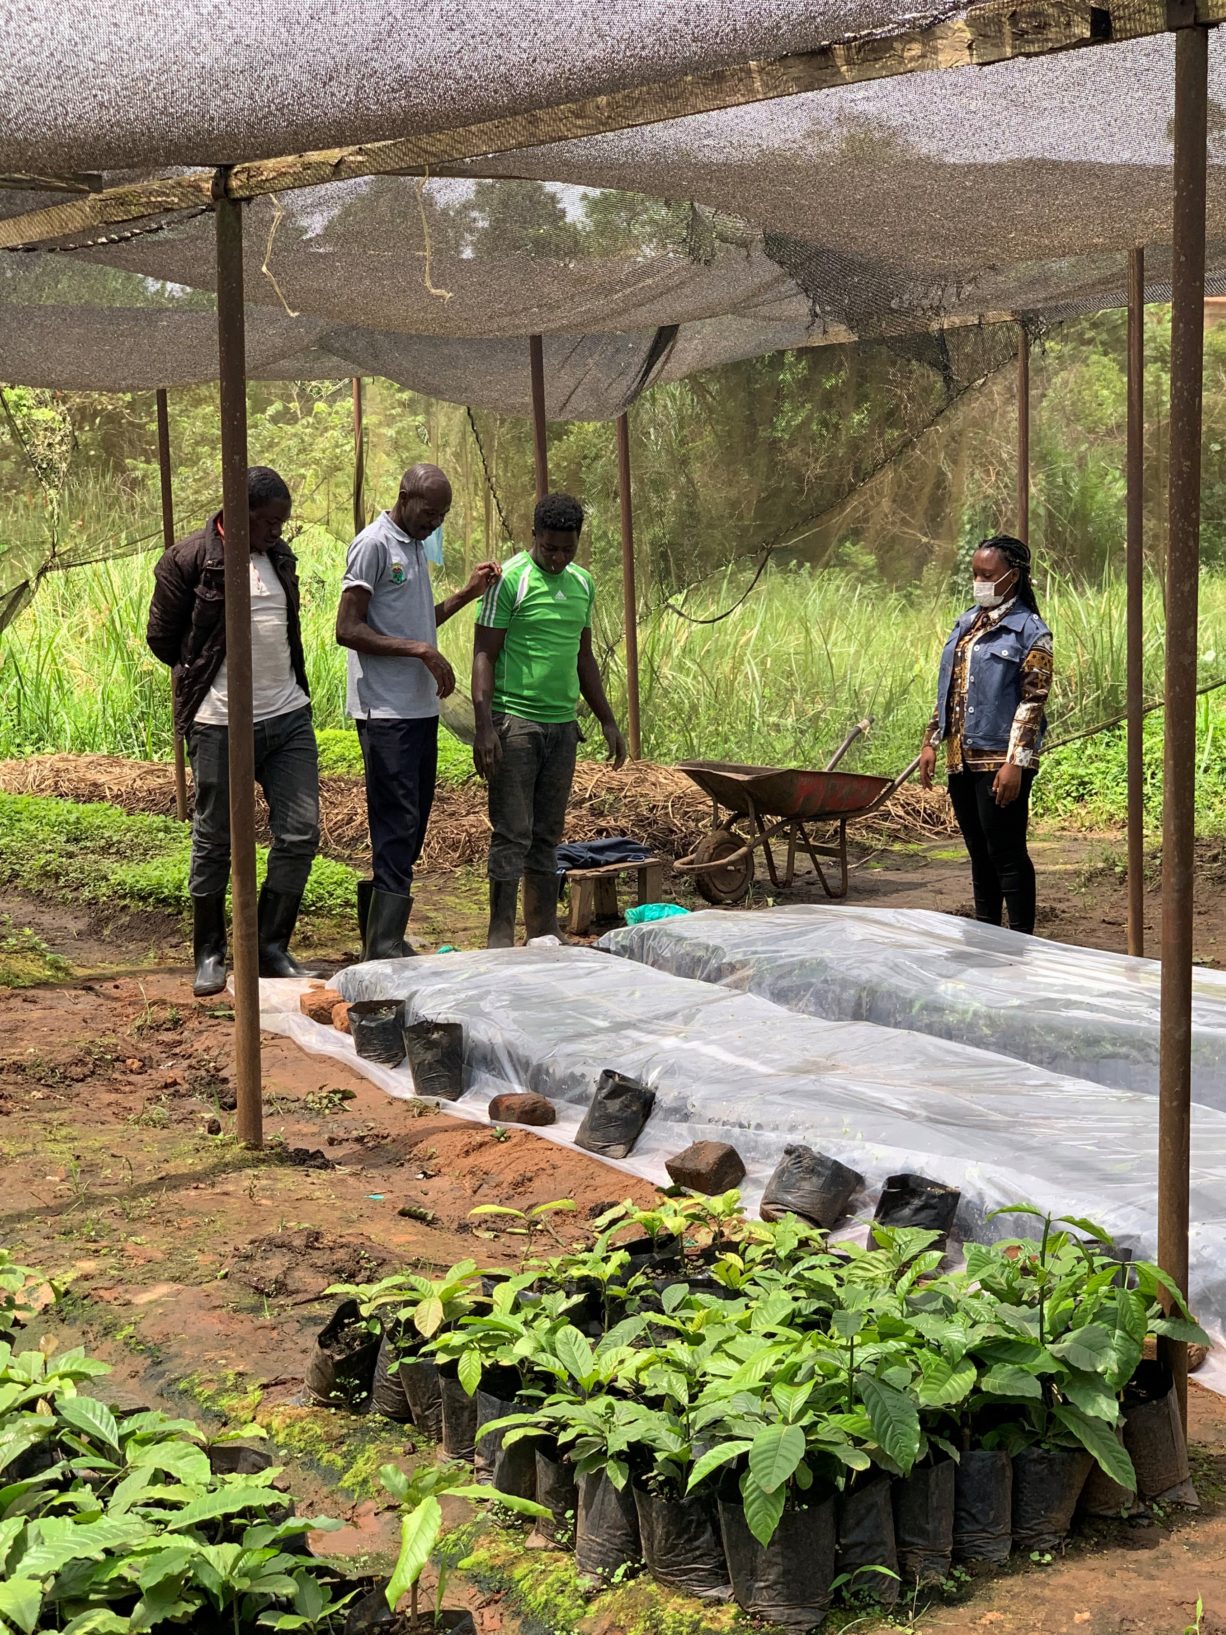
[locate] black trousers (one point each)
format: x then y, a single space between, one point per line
1001 871
401 760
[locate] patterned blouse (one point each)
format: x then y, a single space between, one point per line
1036 675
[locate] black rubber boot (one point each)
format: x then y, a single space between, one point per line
365 890
277 917
504 897
385 923
209 943
541 907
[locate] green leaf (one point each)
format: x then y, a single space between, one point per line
92 1417
1092 1394
574 1353
895 1421
714 1458
1174 1328
1091 1348
944 1383
21 1601
419 1533
775 1454
469 1370
226 1501
428 1318
1100 1440
762 1509
1005 1380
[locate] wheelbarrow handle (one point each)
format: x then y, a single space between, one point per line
860 728
890 789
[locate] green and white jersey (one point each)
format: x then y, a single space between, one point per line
544 616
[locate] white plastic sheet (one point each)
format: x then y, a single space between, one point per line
1080 1011
733 1067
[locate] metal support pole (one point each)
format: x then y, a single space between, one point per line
1179 760
629 591
1135 578
168 539
359 460
1023 434
540 447
231 341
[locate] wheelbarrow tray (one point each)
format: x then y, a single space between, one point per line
804 797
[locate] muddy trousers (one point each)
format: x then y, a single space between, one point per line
287 770
528 795
1002 874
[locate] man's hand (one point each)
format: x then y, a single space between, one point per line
1007 784
487 751
617 744
927 765
481 578
438 667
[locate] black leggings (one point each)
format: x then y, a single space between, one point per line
995 836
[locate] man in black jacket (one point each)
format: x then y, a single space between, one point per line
187 630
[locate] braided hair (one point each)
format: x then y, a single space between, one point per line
1017 554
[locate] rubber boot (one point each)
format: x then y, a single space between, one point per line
541 907
365 888
276 918
385 922
209 943
504 896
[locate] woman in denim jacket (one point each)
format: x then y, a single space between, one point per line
994 680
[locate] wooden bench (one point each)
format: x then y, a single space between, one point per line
593 892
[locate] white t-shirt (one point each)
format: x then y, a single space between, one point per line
394 569
274 686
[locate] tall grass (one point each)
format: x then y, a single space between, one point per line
777 683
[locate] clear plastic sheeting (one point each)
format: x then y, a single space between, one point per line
1079 1011
733 1067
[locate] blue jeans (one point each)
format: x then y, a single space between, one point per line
287 770
528 795
401 761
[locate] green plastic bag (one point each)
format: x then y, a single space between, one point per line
653 911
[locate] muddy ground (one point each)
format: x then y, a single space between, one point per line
198 1269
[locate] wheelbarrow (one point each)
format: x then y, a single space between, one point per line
778 802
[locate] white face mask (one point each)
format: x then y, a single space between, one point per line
985 592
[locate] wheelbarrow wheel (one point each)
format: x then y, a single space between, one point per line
717 881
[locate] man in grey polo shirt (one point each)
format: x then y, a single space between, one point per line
388 620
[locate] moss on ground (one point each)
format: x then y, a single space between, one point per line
346 1450
25 959
545 1589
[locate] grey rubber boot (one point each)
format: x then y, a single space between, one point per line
541 907
277 917
209 943
385 924
504 897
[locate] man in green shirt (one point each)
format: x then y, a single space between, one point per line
532 659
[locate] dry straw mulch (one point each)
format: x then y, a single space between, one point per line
655 804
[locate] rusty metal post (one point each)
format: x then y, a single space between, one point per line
1023 433
1179 759
1135 586
231 342
630 599
359 459
540 446
168 539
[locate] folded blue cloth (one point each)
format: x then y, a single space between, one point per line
596 854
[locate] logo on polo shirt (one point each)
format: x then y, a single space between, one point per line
397 573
